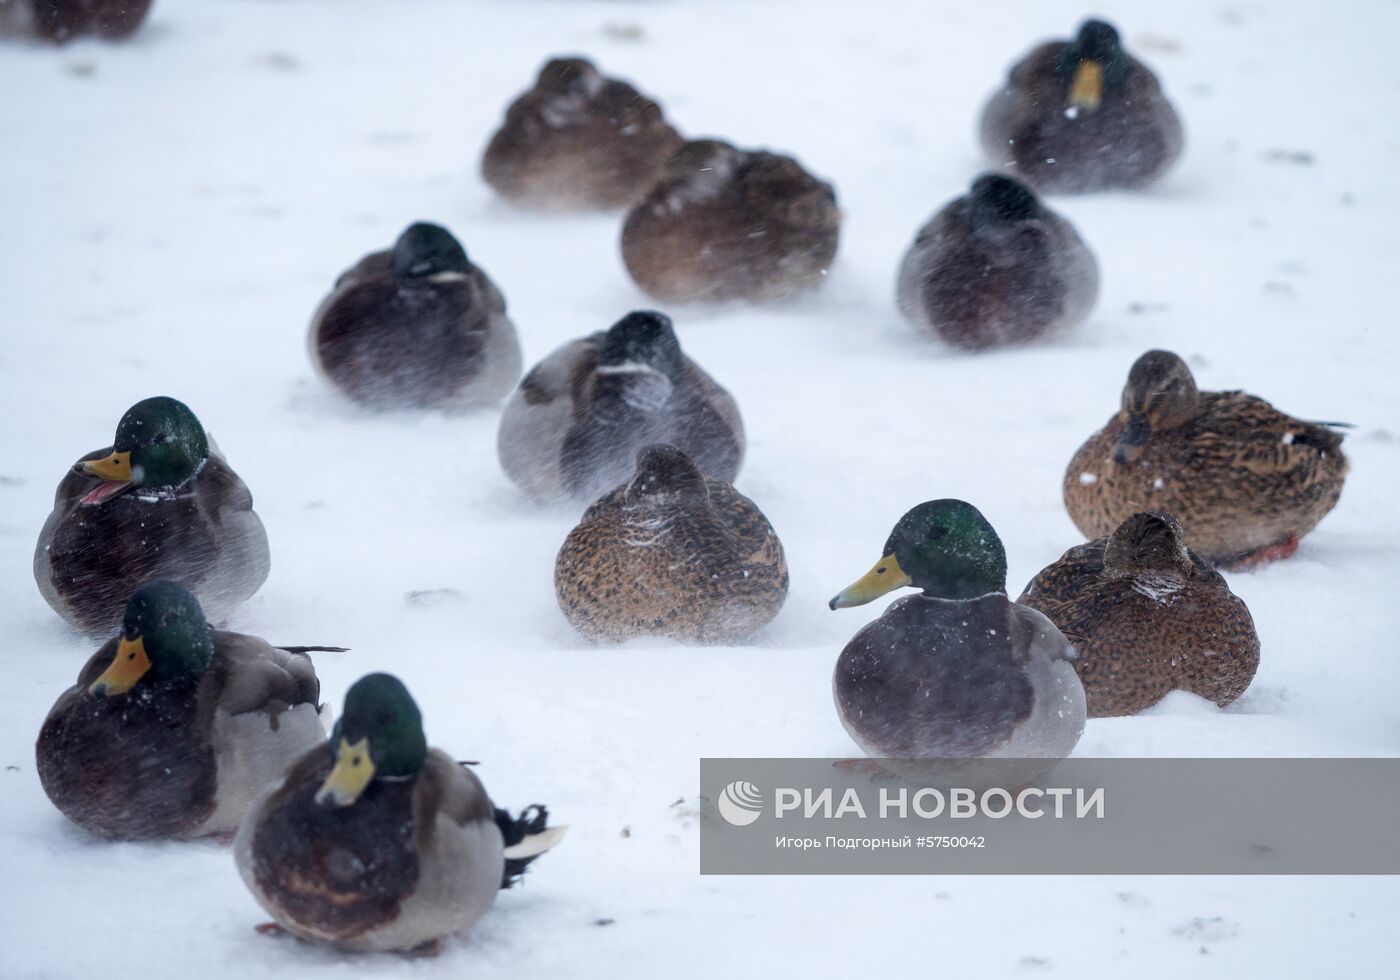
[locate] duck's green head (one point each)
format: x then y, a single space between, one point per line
379 736
1093 64
640 341
665 475
1147 542
996 199
425 250
1161 395
944 547
159 444
165 641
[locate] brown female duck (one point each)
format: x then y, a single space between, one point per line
1147 616
578 140
728 224
1245 480
671 553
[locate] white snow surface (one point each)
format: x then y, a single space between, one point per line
175 208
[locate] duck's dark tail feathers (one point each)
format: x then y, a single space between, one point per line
526 838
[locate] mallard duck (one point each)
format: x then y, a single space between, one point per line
959 672
671 553
1245 480
1147 616
728 224
417 326
996 267
578 140
1082 115
573 427
174 727
160 503
60 21
376 841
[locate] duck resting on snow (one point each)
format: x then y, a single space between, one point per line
375 841
174 727
159 503
958 672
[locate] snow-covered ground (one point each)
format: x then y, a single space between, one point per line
174 208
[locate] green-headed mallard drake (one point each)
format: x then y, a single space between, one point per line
376 841
417 326
1082 115
1245 480
573 427
61 21
671 553
174 727
996 266
1147 616
961 671
578 140
728 224
160 503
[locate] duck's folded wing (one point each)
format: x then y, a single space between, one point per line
1034 636
256 675
447 787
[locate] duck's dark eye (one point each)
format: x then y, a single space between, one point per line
938 532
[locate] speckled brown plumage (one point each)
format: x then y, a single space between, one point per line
730 224
1237 473
578 140
671 553
60 21
1147 617
1130 140
206 537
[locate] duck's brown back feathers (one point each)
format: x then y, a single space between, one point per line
727 224
1239 476
1142 636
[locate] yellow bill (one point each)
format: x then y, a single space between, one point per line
886 576
127 667
1086 91
116 467
350 776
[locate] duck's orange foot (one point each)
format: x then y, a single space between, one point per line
1274 552
269 929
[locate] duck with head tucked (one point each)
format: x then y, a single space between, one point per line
996 266
1147 616
573 427
417 326
723 223
174 727
671 553
1082 115
577 141
61 21
958 672
375 841
1245 480
160 503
